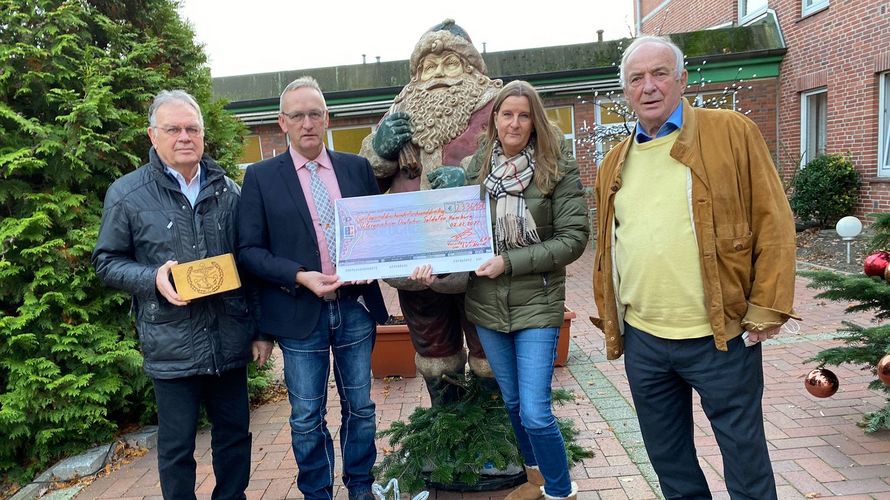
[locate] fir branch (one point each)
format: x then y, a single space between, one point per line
454 443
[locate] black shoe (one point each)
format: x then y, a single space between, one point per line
361 495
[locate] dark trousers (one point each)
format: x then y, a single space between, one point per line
662 374
179 401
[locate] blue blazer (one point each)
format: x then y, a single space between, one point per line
276 239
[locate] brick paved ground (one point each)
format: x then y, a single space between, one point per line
816 447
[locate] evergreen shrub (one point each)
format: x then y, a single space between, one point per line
825 190
76 79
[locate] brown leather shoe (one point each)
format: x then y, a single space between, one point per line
530 490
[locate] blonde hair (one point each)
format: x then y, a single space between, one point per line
545 136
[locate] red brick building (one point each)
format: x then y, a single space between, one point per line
834 82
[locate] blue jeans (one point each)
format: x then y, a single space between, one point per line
179 401
347 329
522 363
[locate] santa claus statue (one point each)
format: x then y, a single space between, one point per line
426 137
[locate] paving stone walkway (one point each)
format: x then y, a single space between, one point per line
816 447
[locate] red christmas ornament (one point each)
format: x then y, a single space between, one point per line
821 383
884 369
876 263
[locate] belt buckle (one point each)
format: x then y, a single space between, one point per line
330 296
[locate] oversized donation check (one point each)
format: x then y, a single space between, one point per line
387 236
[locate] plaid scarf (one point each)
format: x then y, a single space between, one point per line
514 226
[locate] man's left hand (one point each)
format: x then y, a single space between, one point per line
261 350
760 336
318 283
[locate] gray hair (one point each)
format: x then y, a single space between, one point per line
678 54
167 96
303 81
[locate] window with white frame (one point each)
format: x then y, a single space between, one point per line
808 7
749 9
347 139
884 125
813 124
564 118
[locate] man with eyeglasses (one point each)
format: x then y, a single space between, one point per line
695 266
181 207
287 240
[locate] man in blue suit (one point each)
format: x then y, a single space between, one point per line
286 240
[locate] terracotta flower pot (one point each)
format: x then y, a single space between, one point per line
562 345
393 353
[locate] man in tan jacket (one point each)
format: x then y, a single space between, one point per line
695 266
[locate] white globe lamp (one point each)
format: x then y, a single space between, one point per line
848 228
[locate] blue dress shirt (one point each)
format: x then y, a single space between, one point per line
674 122
189 189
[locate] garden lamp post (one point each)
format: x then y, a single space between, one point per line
848 228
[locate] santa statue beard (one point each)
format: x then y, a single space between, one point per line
440 109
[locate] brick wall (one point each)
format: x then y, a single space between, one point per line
272 140
839 49
680 16
842 49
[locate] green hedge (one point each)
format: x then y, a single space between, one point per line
76 78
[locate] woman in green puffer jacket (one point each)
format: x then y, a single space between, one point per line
517 298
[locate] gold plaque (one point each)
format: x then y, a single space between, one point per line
204 277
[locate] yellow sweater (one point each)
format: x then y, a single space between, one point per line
656 251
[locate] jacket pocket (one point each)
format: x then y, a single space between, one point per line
236 306
236 328
157 312
529 290
165 331
734 259
156 236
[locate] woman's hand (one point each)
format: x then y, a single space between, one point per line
358 282
492 267
423 274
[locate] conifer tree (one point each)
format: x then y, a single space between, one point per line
862 346
76 78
